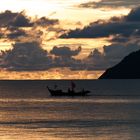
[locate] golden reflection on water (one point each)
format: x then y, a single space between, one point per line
57 73
64 119
48 134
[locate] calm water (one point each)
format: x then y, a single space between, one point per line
27 112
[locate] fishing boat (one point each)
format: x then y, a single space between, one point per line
68 93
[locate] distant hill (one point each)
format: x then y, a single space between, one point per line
128 68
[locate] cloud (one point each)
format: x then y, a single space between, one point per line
6 17
20 19
111 4
125 26
119 39
134 15
9 18
103 30
95 61
1 35
64 57
110 56
65 51
15 25
31 56
43 21
25 56
27 53
16 33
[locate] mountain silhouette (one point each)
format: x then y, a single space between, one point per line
128 68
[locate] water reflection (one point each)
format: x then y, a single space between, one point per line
41 120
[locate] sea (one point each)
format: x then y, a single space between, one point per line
110 112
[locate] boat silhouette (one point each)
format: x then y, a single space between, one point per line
68 93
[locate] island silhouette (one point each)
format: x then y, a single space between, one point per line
128 68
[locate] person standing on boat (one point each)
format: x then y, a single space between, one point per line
69 91
55 86
73 86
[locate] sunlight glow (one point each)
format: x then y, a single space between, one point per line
70 16
58 73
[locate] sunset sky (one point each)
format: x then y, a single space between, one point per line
72 39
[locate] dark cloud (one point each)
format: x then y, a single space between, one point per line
96 61
9 18
119 39
125 26
15 25
110 56
20 19
1 35
64 57
103 30
25 56
30 56
111 4
11 24
16 33
134 15
65 51
43 21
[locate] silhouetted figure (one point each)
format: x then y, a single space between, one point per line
69 90
73 86
55 86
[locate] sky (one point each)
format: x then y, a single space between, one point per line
72 35
66 10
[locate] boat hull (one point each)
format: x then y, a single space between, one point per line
70 93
